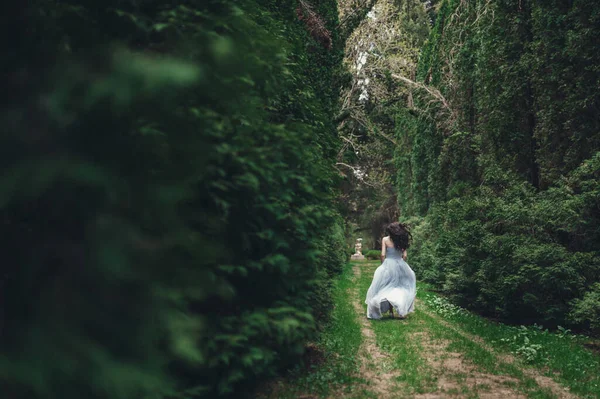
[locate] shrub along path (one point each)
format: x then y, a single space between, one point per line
439 351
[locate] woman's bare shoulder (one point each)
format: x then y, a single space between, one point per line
388 241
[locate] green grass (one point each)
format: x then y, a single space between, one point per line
339 345
561 355
484 360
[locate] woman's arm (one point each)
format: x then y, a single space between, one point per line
383 248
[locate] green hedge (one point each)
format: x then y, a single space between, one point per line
500 253
504 182
166 200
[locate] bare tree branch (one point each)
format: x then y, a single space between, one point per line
357 173
314 23
431 90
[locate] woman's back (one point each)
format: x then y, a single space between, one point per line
394 283
390 250
393 253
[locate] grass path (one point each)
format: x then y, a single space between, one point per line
377 366
440 351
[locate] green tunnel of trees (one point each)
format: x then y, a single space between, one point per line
170 213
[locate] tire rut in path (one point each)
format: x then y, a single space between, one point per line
376 366
543 381
457 378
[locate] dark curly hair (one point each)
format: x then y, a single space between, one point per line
399 234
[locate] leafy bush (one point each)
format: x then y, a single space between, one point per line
372 254
586 311
498 252
165 197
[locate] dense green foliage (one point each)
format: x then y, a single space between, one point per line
372 254
332 365
166 201
505 164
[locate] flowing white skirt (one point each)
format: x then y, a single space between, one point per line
394 284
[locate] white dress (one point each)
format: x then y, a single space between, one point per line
394 284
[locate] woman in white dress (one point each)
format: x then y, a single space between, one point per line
394 284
